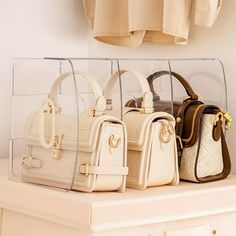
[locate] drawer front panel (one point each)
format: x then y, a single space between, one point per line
216 225
203 230
16 224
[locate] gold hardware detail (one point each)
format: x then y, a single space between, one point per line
166 132
142 110
146 110
56 149
30 162
171 129
228 119
178 119
93 112
24 162
49 109
221 116
86 173
114 142
213 232
218 117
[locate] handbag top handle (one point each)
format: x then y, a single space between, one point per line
147 103
50 104
100 105
191 94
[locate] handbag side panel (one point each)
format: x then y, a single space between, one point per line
205 158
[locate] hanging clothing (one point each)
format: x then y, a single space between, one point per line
132 22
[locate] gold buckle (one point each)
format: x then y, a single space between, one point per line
24 162
86 169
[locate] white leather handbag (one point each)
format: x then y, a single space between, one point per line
152 153
86 154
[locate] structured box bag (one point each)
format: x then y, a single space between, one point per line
86 153
152 153
205 156
202 149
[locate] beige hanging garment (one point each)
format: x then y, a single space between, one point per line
206 12
132 22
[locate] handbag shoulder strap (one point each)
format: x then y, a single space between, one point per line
147 103
100 99
192 95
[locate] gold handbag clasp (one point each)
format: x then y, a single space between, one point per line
218 117
56 147
221 116
228 118
166 132
114 142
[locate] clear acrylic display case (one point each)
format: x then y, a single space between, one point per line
32 79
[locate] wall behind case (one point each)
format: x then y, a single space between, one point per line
58 28
36 28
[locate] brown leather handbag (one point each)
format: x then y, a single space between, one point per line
202 149
160 105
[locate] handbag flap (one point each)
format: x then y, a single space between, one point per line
89 128
138 126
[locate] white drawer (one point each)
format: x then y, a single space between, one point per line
203 230
16 224
215 225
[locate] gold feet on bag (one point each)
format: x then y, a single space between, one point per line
56 149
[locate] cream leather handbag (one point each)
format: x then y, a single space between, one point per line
152 153
91 158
